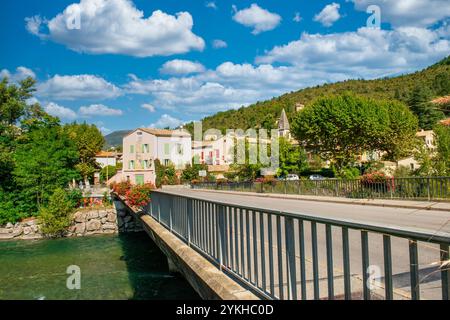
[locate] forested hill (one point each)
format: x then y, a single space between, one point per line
265 114
115 138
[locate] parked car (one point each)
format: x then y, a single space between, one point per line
292 177
316 177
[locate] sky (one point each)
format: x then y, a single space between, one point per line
122 64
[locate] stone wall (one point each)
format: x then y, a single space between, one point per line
85 222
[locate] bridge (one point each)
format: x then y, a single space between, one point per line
248 247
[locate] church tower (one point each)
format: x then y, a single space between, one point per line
284 129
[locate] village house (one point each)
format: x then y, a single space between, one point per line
143 146
108 158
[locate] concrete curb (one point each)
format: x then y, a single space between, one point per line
338 201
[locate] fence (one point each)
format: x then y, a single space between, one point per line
414 188
282 255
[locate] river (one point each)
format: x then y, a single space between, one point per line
116 267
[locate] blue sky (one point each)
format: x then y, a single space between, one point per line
122 64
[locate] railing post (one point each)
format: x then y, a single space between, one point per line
290 248
189 220
171 200
428 188
445 272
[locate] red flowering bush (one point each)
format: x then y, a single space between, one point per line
377 179
139 196
121 188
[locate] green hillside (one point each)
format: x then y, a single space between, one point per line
264 114
114 139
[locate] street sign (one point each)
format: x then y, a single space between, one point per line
202 173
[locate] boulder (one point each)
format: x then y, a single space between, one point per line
27 230
92 214
111 217
79 216
31 222
9 225
4 236
109 226
80 228
93 225
104 220
102 213
5 230
17 231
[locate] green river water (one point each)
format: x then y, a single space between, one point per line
128 266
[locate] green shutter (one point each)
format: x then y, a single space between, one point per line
166 148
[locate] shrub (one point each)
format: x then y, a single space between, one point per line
56 217
8 209
139 196
76 197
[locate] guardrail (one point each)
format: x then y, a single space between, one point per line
413 188
279 254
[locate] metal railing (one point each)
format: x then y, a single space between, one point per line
283 255
413 188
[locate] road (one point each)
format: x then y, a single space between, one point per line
421 220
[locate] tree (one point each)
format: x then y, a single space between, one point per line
45 159
107 172
55 218
442 141
442 83
191 172
292 158
339 128
420 104
89 140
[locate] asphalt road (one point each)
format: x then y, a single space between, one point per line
421 220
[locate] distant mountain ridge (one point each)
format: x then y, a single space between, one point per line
114 139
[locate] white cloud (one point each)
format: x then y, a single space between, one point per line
178 67
166 121
219 44
99 110
148 107
118 27
329 15
297 17
20 74
419 13
60 111
211 4
257 18
78 87
366 53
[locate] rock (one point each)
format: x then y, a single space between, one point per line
109 231
35 228
79 217
17 231
72 229
27 230
32 237
5 230
31 223
102 213
104 220
4 236
9 225
111 217
80 228
109 226
93 225
92 214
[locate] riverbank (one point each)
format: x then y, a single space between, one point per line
86 222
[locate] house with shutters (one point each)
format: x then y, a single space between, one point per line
143 146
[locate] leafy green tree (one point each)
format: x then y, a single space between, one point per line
292 158
56 217
89 140
442 159
191 172
107 172
45 159
442 83
339 128
420 104
13 108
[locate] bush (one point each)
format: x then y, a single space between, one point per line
56 217
348 173
76 197
139 196
8 209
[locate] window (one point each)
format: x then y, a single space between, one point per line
145 165
145 148
139 179
166 162
131 165
412 166
132 149
166 148
180 148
